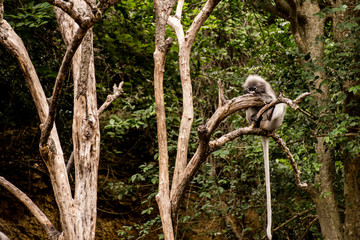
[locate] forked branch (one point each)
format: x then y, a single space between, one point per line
206 146
65 66
84 24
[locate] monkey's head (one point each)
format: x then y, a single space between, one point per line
255 84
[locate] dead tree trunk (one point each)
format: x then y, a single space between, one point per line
168 208
78 212
86 132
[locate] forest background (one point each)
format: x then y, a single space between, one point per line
297 49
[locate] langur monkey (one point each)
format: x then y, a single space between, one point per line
270 121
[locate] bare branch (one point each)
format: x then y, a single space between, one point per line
199 20
111 97
297 215
219 142
67 7
301 97
292 103
175 23
66 63
40 216
179 8
185 44
299 184
162 11
231 106
222 99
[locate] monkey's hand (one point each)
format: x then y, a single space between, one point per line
256 120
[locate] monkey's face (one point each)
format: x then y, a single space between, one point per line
254 87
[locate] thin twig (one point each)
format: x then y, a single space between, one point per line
297 215
308 227
278 140
110 98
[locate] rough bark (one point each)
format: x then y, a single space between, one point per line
351 163
86 132
324 196
162 46
352 198
163 197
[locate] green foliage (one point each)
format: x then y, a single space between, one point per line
142 230
134 189
35 24
31 16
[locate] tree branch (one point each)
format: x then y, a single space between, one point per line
299 184
297 215
222 99
111 97
66 63
162 12
292 103
67 7
199 20
65 66
206 146
40 216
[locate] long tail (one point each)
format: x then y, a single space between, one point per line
265 143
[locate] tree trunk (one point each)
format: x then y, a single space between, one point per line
323 197
162 11
86 132
351 163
